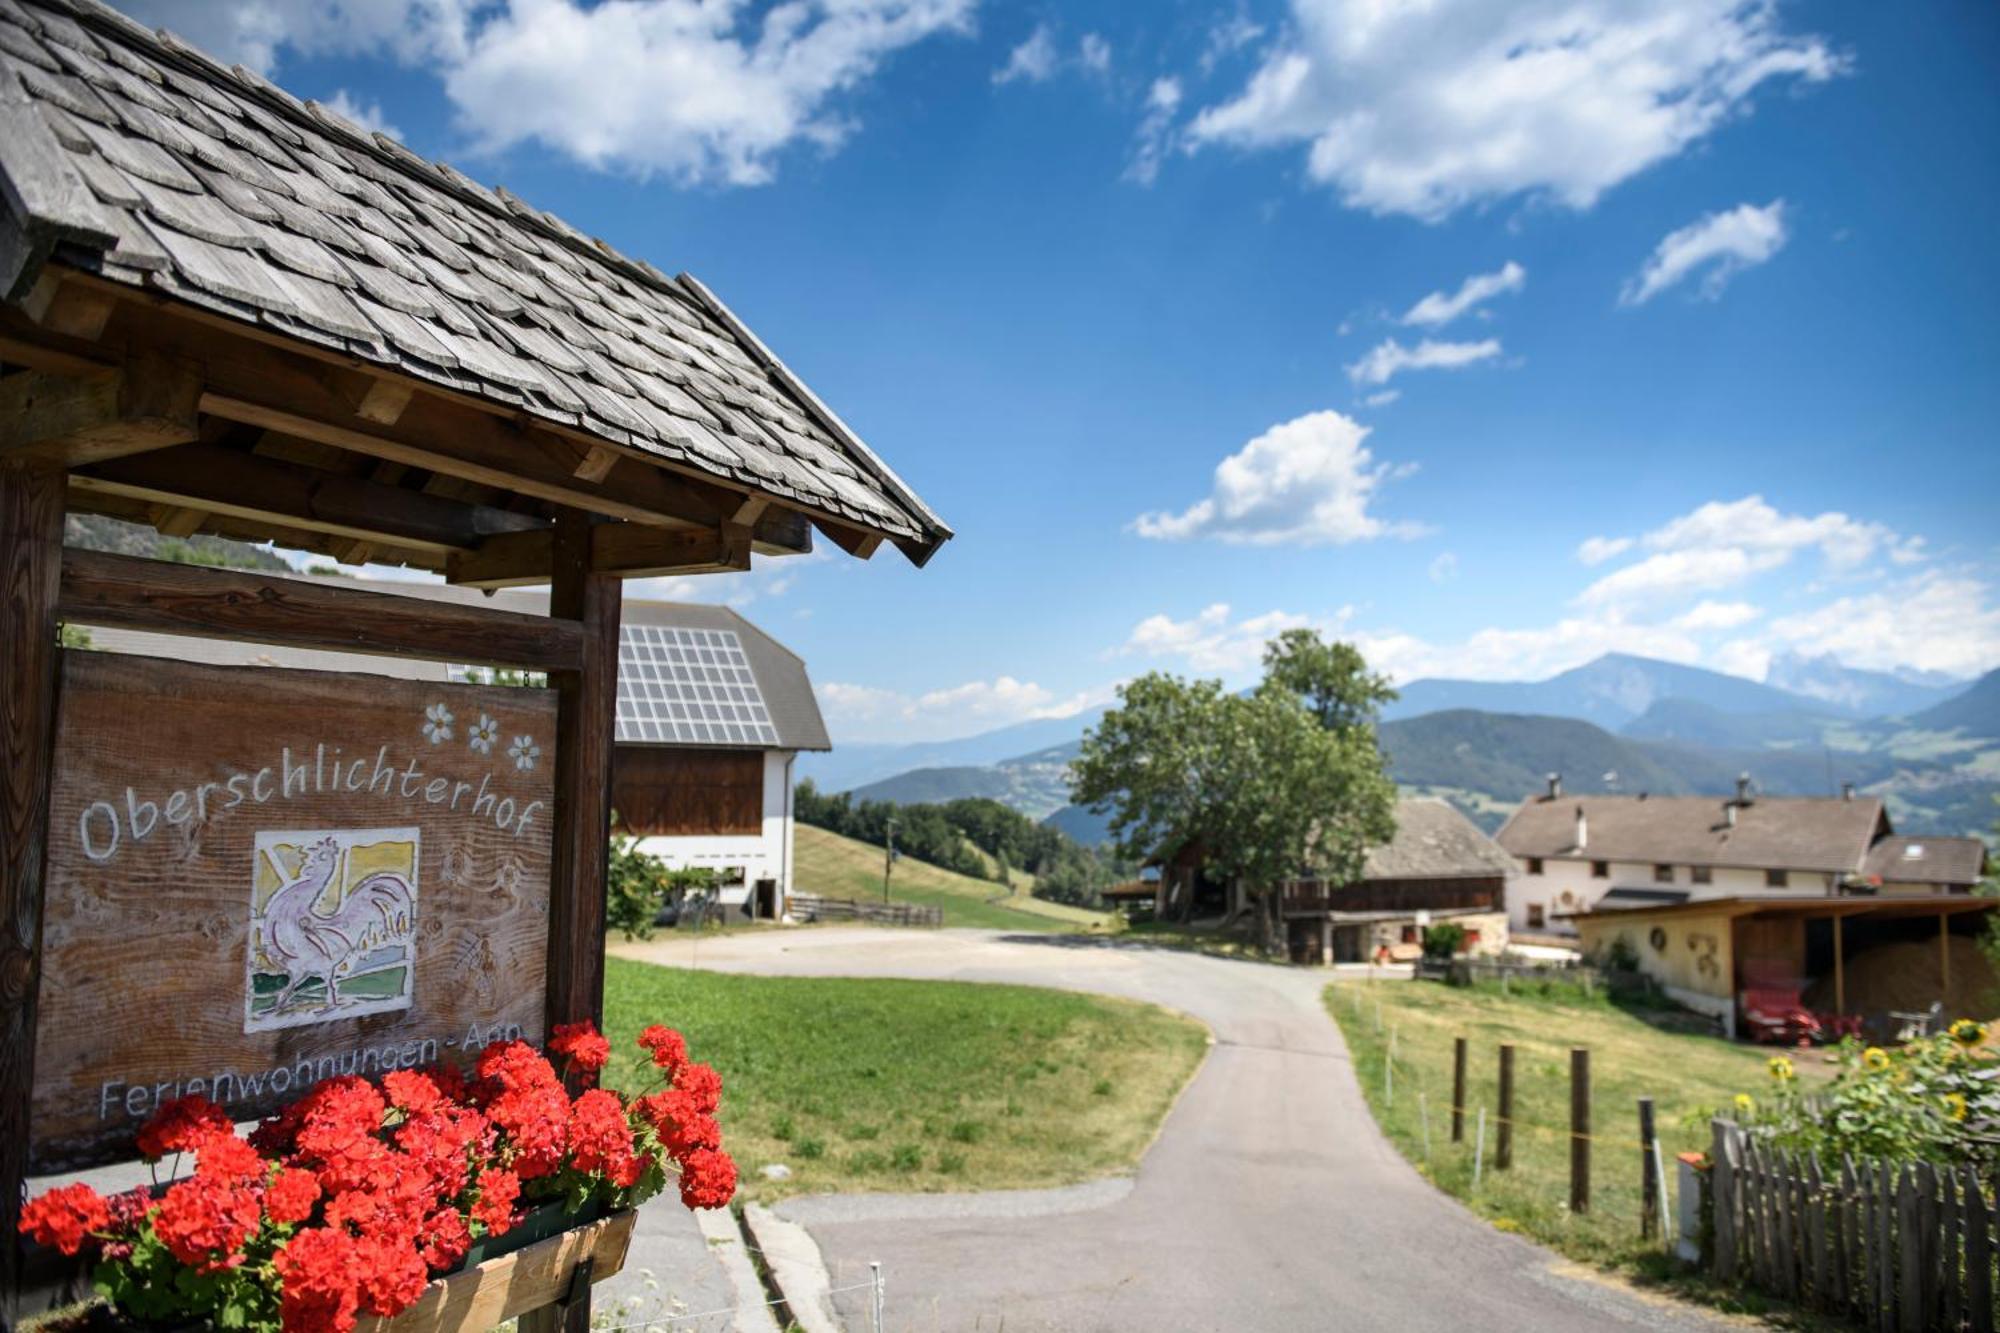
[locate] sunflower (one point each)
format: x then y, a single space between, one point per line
1875 1058
1968 1033
1781 1069
1954 1106
1745 1103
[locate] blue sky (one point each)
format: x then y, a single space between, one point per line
1134 296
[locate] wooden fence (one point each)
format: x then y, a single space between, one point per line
1891 1248
810 907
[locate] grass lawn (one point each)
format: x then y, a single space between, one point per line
1685 1075
837 867
913 1085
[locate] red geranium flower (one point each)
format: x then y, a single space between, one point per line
412 1090
291 1195
223 1156
181 1124
65 1217
702 1085
708 1178
679 1121
390 1273
494 1209
669 1048
316 1270
582 1045
204 1221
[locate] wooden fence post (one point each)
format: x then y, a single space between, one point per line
1504 1157
1649 1182
1579 1130
1978 1254
1458 1090
1722 1197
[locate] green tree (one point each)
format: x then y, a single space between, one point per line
1285 783
1331 679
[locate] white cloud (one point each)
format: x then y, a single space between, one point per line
1155 133
1719 245
1094 53
1935 621
1382 398
1712 615
957 710
1724 542
1210 642
368 115
1424 109
1444 568
253 32
1304 482
1035 59
1391 358
694 91
1438 309
1596 550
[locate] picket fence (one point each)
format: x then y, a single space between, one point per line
811 907
1890 1248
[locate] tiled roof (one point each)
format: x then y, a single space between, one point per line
138 157
1434 841
1912 860
1770 833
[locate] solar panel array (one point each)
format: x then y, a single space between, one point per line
689 687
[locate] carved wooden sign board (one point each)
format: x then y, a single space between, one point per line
260 878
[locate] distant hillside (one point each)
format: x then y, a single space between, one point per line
1693 723
96 533
1508 756
1609 691
852 765
1035 784
1976 712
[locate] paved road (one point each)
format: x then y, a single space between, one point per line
1269 1202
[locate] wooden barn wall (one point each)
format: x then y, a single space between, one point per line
1399 895
688 793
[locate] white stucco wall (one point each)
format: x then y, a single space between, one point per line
1574 878
765 855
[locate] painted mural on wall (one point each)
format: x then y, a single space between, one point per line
262 878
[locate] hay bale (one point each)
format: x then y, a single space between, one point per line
1904 977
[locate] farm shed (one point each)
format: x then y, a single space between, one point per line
226 311
1848 955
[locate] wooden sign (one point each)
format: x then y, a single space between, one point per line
261 878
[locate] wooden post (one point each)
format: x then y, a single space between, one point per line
1458 1090
1504 1157
1839 969
1649 1180
1944 961
1579 1130
31 523
586 722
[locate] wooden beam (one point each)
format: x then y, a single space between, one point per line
250 485
585 725
750 510
854 541
179 520
624 550
383 401
130 593
69 308
147 404
31 522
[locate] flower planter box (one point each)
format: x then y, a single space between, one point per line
484 1295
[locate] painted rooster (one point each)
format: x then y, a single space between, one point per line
305 942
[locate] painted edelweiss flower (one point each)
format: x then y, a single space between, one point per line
437 724
524 752
483 734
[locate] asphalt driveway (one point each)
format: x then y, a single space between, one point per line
1269 1201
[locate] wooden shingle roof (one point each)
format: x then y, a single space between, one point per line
1769 833
132 156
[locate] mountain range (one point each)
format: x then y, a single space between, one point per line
1929 746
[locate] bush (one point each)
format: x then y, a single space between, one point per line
1934 1099
635 888
1442 942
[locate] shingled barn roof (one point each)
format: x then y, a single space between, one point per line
1434 841
1769 833
129 156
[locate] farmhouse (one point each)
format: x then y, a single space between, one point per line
712 713
1439 867
1583 853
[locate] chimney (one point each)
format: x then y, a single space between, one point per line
1729 813
1555 786
1846 791
1743 789
1582 830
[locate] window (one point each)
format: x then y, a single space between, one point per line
1663 874
1701 874
1776 879
1534 916
1600 870
1534 865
